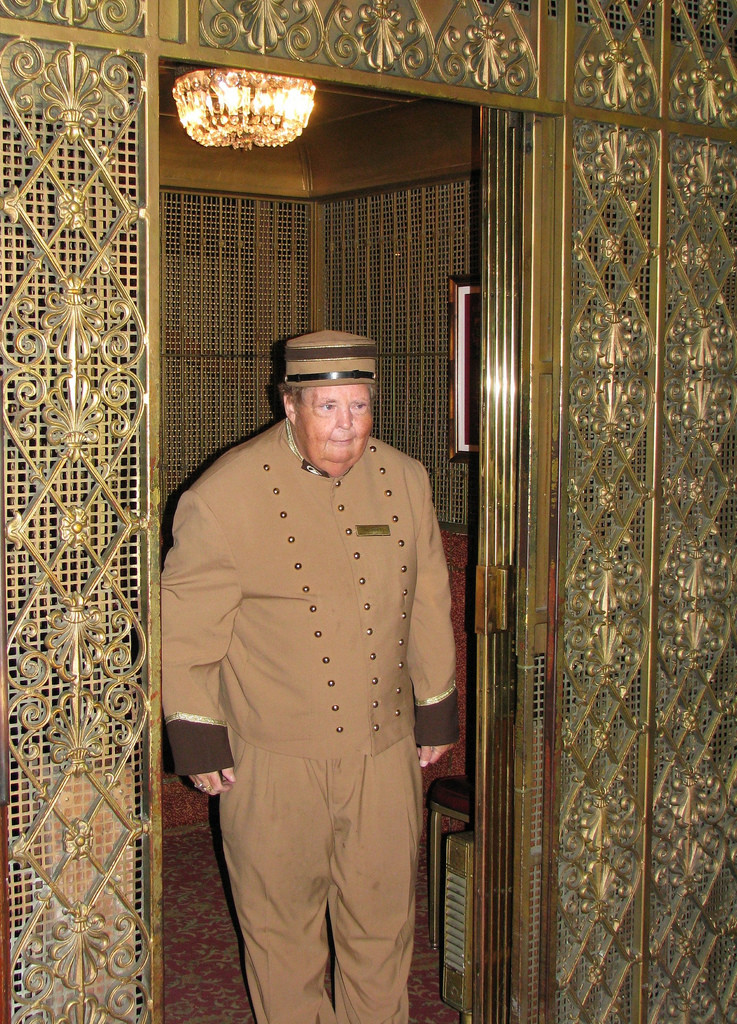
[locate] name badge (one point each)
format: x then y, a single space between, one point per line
375 530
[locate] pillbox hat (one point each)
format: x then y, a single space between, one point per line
327 358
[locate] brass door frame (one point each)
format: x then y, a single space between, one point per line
497 545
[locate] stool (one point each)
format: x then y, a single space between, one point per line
448 798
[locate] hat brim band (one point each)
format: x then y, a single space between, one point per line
304 378
367 351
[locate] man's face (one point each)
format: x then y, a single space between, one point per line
331 425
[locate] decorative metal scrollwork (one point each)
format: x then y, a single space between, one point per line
615 69
661 810
694 874
607 579
491 48
703 68
125 16
74 371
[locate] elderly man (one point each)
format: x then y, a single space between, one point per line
308 674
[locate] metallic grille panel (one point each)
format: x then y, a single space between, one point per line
693 899
477 45
235 280
647 884
387 261
703 72
604 709
75 552
616 67
126 16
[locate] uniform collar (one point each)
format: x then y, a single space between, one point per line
307 466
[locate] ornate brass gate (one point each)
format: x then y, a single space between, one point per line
621 884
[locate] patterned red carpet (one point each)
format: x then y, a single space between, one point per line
203 980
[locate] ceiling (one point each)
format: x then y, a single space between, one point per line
355 140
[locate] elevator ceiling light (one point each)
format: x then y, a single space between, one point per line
228 107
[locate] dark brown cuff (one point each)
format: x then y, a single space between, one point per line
437 724
199 747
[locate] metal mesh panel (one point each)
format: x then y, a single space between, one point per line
694 893
235 280
645 829
493 50
616 62
387 259
75 466
606 589
703 76
536 807
126 16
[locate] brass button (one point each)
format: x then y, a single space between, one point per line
367 606
341 508
405 592
362 580
291 540
283 515
339 729
297 565
349 531
326 661
276 490
397 712
404 568
376 728
336 707
388 494
372 656
369 631
305 590
404 615
337 483
401 642
395 519
375 704
313 607
399 689
401 543
372 448
356 554
318 633
331 682
382 470
267 467
374 680
400 664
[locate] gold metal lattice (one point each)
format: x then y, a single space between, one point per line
103 15
387 260
473 44
647 885
693 899
74 369
236 280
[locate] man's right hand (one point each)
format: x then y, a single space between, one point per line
214 783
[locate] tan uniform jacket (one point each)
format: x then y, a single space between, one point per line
306 613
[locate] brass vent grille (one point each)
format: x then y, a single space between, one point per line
457 986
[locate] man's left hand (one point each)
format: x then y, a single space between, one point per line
429 755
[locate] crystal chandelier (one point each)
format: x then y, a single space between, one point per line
228 107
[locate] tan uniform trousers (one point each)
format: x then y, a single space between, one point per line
302 835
